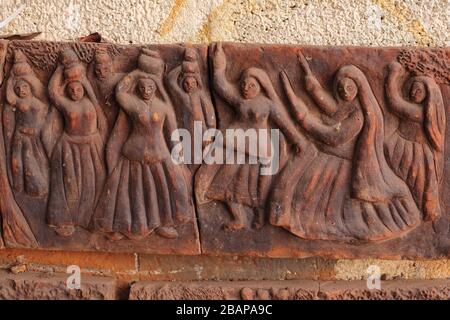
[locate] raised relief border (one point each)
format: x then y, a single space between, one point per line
289 290
261 150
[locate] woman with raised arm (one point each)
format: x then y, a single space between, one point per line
347 191
415 151
145 191
255 104
77 168
24 115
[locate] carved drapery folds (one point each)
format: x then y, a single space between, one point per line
125 148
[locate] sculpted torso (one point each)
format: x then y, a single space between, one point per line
413 131
80 118
30 115
146 141
252 113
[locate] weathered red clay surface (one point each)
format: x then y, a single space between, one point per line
87 147
85 158
360 125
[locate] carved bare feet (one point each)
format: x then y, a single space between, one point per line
237 214
182 218
167 232
65 230
115 236
259 220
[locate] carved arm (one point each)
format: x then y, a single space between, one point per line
398 105
324 100
221 84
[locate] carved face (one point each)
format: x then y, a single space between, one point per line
75 90
103 70
417 92
347 89
146 88
250 88
22 89
190 84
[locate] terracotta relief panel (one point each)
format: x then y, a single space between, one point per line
87 146
261 150
362 159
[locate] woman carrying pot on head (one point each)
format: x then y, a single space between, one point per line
145 191
194 101
77 168
24 117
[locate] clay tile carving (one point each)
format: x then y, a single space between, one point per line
264 150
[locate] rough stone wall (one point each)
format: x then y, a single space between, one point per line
311 22
315 22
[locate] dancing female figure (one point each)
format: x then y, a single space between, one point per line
415 151
242 185
145 190
77 168
25 114
347 191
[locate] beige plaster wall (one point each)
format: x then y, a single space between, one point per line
327 22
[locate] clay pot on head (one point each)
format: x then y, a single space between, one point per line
21 66
21 69
190 67
150 62
190 63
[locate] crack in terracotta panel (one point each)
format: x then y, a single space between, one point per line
87 157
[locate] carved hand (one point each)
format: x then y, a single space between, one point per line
219 57
55 87
310 82
124 84
395 67
149 52
139 74
300 111
303 63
